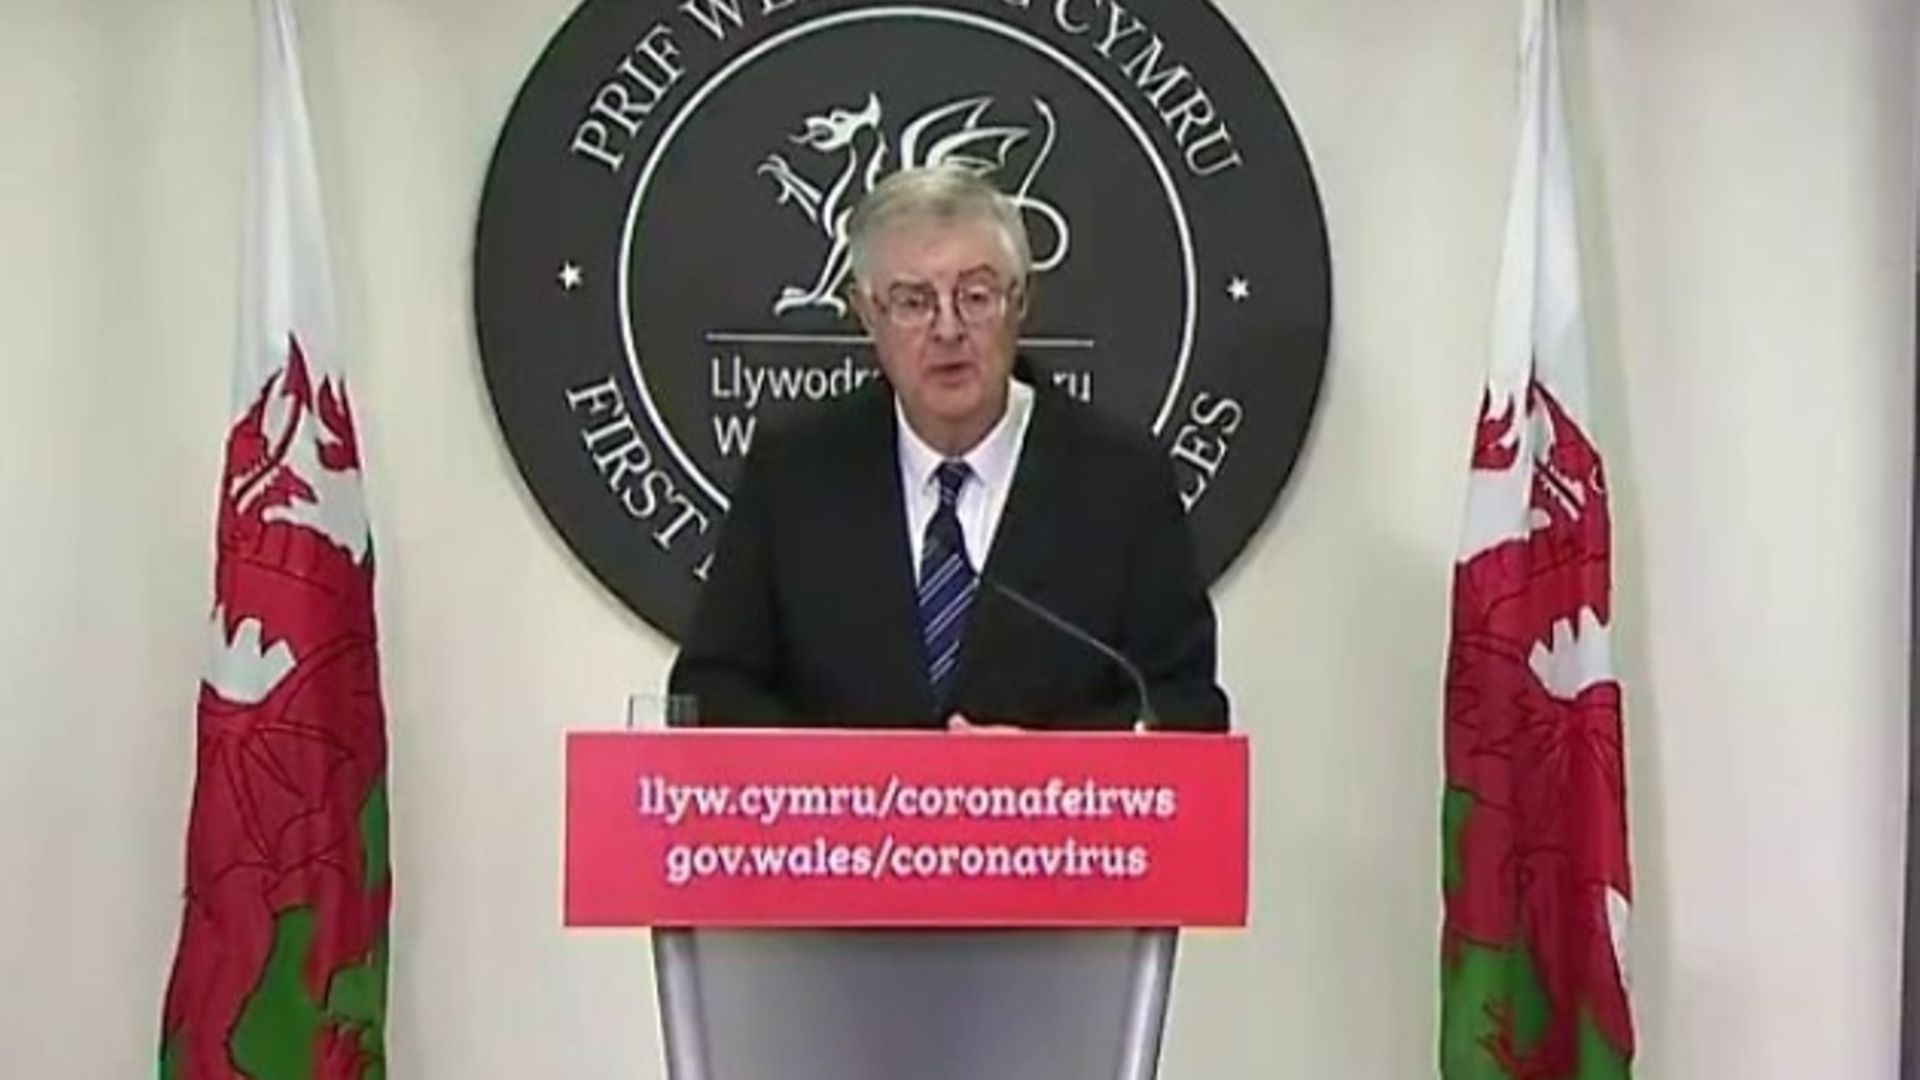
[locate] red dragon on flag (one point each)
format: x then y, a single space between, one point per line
1537 877
280 969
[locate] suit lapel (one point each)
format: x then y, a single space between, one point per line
1017 558
883 562
1021 539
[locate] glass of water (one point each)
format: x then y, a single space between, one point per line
655 711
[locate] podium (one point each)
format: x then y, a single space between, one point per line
845 906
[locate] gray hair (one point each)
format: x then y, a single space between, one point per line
937 195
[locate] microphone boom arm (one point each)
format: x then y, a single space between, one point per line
1146 720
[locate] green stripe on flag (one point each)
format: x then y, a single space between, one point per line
276 1032
1477 988
373 836
281 1026
1454 809
1478 985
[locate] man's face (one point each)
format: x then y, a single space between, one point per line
944 309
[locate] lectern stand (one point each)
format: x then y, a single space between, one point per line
927 1004
978 942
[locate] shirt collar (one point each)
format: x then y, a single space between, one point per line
992 459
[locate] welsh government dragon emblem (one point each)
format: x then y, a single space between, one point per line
959 133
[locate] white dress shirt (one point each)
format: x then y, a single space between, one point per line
983 498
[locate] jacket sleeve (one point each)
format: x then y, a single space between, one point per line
731 660
1170 626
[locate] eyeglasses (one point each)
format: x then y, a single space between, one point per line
976 303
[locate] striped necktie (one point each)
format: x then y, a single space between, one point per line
946 583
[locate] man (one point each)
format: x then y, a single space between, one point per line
862 576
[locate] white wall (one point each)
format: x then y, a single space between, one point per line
1750 200
1759 196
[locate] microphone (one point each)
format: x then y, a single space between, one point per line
1146 720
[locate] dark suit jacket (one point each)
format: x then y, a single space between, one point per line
808 617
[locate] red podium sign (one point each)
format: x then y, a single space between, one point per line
732 828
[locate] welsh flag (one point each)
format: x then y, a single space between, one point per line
1536 880
280 969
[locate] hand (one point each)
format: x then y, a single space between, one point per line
959 723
